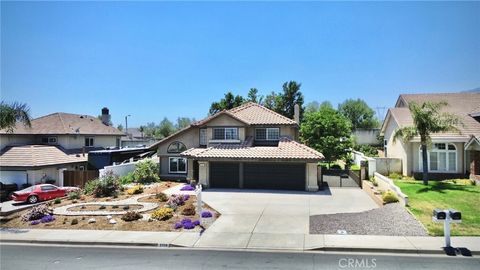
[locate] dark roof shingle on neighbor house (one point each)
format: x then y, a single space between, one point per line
38 156
287 149
463 105
65 123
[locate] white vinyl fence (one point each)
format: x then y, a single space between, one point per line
122 169
385 166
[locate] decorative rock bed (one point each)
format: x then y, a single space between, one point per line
146 206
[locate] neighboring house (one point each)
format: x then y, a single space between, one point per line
248 146
452 154
133 137
53 143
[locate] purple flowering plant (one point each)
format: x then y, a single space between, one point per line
187 188
35 222
47 219
206 214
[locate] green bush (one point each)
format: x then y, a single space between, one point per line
74 195
374 181
104 187
355 167
146 171
57 201
366 149
335 167
395 176
127 179
389 197
74 221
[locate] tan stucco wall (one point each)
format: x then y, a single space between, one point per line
224 121
398 149
311 177
10 140
190 138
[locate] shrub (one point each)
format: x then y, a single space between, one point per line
74 221
36 212
189 210
47 219
355 167
335 167
126 207
177 200
162 197
74 195
389 197
206 214
126 179
163 213
131 216
114 206
138 189
146 171
57 201
395 176
366 149
35 222
177 225
103 187
187 188
102 207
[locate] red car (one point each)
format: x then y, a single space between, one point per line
41 192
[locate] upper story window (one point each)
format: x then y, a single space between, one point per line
441 158
176 147
225 133
203 136
267 134
49 140
89 141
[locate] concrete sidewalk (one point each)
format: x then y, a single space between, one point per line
255 241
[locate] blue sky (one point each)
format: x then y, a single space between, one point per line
170 59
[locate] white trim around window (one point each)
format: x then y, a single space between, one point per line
176 164
442 158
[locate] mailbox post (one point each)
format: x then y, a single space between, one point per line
447 216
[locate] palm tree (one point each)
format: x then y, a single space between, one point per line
427 119
12 113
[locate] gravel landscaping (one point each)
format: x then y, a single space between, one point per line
391 219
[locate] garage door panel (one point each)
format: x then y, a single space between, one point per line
224 175
284 176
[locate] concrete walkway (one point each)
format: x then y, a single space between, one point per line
395 244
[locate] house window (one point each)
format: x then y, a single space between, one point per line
177 165
49 140
267 134
89 141
176 147
441 158
203 136
225 133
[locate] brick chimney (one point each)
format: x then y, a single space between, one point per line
106 116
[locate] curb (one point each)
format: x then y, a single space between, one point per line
161 245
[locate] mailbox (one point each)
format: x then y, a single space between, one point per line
454 214
439 214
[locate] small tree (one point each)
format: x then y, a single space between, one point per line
359 113
327 131
427 119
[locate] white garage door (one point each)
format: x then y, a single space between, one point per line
13 177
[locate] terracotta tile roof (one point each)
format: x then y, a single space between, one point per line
37 155
255 114
460 104
287 149
66 123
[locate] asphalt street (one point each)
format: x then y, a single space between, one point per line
29 256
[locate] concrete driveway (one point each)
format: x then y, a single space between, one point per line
263 219
253 211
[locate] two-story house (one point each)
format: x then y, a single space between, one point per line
248 146
453 154
53 143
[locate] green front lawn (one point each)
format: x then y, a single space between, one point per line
459 195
